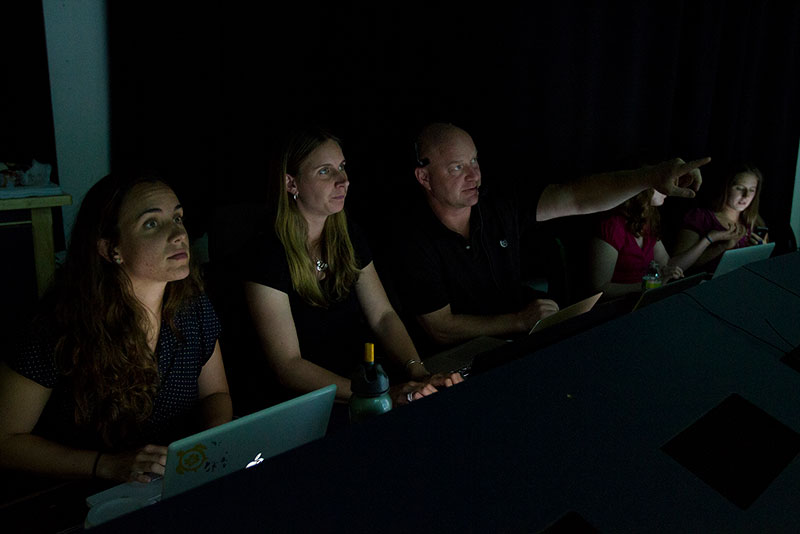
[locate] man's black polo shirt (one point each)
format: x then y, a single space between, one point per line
478 276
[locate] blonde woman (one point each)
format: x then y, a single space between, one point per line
311 287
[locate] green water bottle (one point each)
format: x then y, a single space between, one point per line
370 387
652 278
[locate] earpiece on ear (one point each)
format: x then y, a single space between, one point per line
421 162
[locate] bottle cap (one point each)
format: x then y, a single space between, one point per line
369 378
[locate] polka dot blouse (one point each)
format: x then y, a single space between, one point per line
180 359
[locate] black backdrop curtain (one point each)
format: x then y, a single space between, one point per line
548 90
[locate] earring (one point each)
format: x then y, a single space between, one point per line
118 260
295 197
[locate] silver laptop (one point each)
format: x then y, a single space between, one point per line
736 257
582 306
239 444
460 358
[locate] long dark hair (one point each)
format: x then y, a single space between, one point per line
101 326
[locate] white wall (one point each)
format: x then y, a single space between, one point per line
795 217
77 54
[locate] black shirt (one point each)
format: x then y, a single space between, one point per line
478 276
331 337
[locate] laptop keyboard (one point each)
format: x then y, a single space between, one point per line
149 493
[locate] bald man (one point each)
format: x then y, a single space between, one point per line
461 260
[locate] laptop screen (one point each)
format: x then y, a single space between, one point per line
574 310
736 257
246 441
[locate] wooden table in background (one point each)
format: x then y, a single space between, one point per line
42 222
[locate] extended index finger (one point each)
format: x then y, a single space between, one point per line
693 168
694 164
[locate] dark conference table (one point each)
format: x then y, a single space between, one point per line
570 437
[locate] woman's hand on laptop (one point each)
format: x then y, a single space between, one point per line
419 373
445 379
137 465
410 391
671 272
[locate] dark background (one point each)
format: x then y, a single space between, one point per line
549 90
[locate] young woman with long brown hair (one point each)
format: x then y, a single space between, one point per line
123 354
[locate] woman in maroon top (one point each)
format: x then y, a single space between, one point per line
628 240
730 223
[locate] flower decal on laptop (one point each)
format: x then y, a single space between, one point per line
191 459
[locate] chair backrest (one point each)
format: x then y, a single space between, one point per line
252 383
544 262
